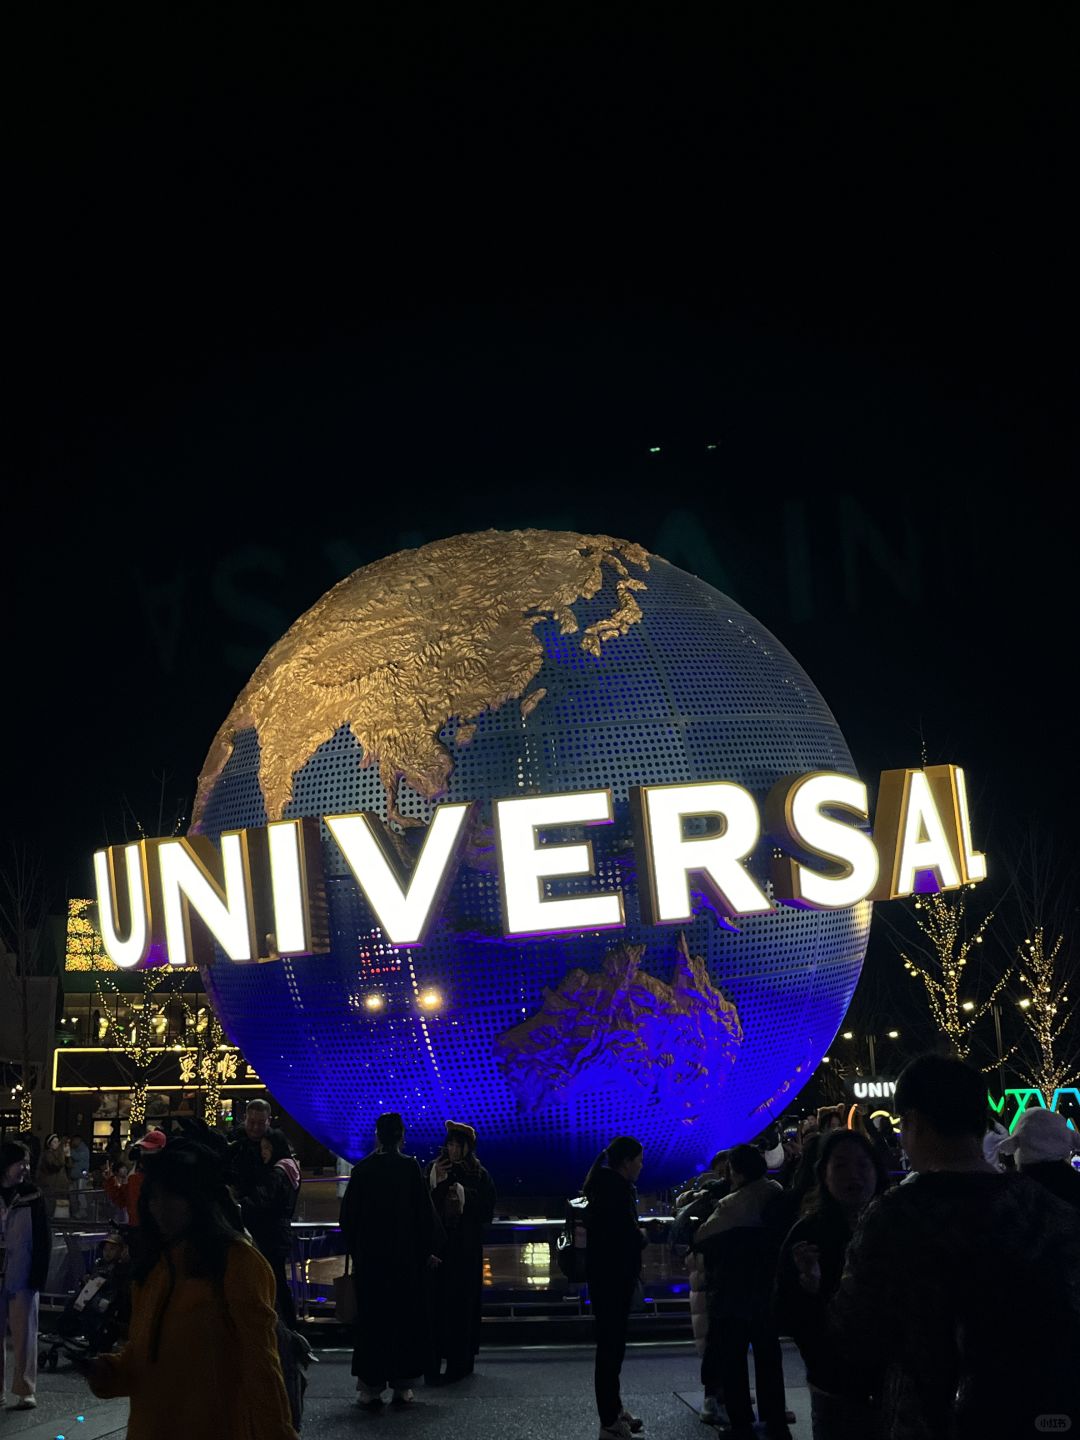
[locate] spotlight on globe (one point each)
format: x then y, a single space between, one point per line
519 663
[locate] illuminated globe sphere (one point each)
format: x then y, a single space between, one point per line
503 664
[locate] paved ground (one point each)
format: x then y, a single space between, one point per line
535 1393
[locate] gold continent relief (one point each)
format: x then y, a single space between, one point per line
401 647
621 1026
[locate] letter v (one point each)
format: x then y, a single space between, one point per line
403 905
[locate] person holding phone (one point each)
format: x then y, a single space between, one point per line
463 1194
849 1175
123 1187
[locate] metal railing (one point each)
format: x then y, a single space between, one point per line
520 1277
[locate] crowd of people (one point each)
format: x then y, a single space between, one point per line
911 1270
206 1223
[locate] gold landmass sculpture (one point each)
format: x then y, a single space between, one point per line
401 647
620 1026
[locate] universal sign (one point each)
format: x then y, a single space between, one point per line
261 894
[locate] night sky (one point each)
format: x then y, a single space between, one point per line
287 296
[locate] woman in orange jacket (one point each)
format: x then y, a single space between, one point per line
202 1358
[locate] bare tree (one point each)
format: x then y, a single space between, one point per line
23 905
939 957
136 1039
1047 969
203 1062
1050 1061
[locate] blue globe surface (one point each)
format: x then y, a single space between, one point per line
551 1046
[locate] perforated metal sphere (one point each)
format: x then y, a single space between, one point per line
690 689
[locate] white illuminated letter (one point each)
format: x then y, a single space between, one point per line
291 855
403 910
525 864
794 815
911 836
188 886
949 787
972 861
671 856
131 951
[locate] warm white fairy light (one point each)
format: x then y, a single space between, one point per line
942 964
1045 1014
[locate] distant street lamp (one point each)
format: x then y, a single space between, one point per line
871 1044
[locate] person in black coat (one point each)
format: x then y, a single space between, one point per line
268 1208
394 1237
464 1198
850 1173
613 1249
245 1150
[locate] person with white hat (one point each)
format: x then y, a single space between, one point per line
1043 1143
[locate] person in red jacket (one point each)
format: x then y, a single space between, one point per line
124 1192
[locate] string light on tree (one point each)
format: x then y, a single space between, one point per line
138 1040
206 1059
1044 1011
941 964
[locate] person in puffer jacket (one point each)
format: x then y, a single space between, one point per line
24 1226
692 1207
740 1246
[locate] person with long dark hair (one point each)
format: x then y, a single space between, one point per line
850 1173
268 1208
463 1194
202 1358
613 1249
54 1174
394 1237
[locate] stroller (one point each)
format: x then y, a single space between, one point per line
95 1319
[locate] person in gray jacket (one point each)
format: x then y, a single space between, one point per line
24 1265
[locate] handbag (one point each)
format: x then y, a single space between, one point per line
570 1244
345 1296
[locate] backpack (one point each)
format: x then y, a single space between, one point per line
571 1241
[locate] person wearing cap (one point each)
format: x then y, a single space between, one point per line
463 1194
123 1191
25 1248
1043 1145
393 1235
202 1355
